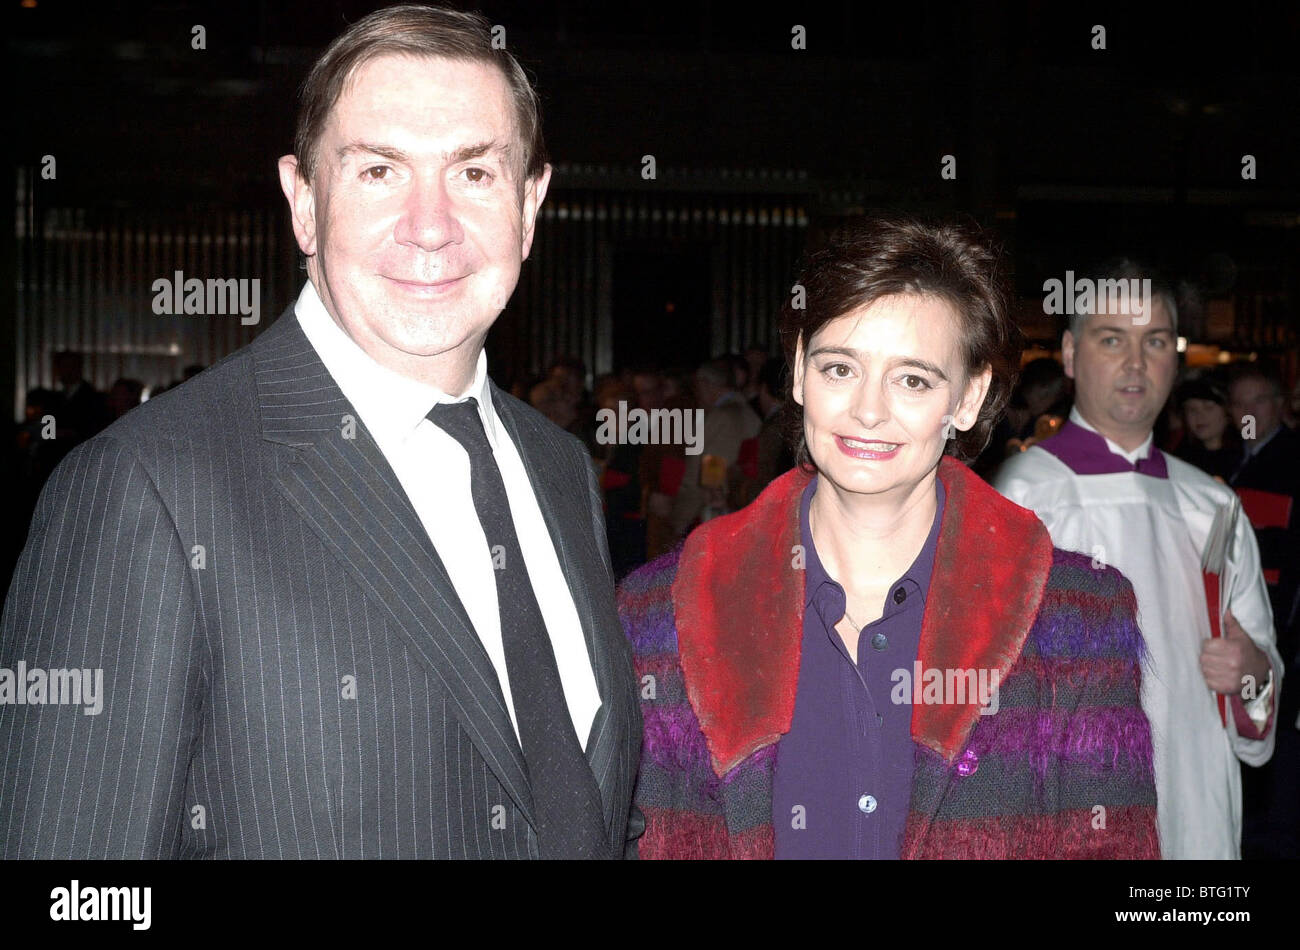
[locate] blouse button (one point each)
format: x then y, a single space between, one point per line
867 804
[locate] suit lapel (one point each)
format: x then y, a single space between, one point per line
348 494
565 509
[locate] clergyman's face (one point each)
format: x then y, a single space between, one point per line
882 390
1122 371
418 217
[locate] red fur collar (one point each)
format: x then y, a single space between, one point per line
738 603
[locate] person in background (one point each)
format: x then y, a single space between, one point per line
1210 442
1037 408
618 465
728 422
123 396
773 455
555 401
1267 478
83 410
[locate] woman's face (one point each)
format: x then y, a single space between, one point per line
1206 419
880 388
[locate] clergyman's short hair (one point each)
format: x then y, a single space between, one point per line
414 30
1126 268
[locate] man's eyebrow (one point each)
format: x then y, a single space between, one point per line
469 152
383 151
905 361
463 154
1108 328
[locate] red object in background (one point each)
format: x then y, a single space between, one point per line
1212 601
1265 509
748 460
613 478
672 469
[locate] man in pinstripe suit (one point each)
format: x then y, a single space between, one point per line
320 636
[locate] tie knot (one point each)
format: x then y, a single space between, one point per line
461 421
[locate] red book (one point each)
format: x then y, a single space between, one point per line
1265 509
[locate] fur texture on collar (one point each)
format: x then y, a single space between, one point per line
738 602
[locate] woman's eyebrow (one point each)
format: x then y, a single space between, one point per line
903 361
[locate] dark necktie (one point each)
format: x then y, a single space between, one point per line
570 818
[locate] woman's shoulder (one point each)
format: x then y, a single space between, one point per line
645 604
1088 609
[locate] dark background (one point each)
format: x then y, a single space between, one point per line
1070 153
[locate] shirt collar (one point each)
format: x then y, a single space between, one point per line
1141 452
391 405
1257 446
815 574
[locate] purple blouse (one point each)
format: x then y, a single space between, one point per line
844 770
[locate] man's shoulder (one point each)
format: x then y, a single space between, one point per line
1034 466
1188 478
532 424
212 404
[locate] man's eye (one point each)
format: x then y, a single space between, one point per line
477 176
1159 342
1107 341
376 173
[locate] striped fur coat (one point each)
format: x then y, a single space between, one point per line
1063 769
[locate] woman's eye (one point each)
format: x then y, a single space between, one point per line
834 371
914 382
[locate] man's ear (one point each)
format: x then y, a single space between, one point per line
796 388
302 203
534 195
1067 353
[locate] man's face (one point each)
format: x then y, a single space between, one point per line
882 389
1255 397
1122 373
416 221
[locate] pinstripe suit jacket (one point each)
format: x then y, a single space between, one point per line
288 672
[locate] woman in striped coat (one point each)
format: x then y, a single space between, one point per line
881 657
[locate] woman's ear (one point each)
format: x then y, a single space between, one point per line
796 388
968 410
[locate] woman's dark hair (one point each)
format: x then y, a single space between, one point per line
887 256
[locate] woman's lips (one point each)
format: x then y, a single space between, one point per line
867 448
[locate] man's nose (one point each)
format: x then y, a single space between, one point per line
1135 356
429 219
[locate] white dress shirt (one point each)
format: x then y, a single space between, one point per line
433 468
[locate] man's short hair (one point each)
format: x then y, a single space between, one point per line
1126 268
1264 371
414 30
